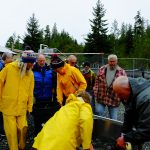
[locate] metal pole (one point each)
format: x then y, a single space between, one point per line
133 66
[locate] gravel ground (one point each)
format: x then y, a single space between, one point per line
99 144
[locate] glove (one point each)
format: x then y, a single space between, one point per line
120 143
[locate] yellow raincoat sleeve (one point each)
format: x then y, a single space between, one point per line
79 78
59 92
3 74
30 98
86 125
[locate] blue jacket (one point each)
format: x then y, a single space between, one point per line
1 65
43 83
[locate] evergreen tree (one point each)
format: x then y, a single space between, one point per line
54 31
63 42
123 31
129 41
113 37
96 41
34 36
138 25
114 29
55 36
13 42
122 40
68 44
138 34
146 45
47 36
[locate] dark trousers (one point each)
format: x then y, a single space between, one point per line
42 112
1 124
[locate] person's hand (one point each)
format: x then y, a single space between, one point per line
91 147
120 143
95 99
60 104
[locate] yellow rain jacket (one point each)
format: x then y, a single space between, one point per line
71 82
69 128
16 93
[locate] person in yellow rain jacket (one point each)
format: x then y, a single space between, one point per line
16 98
70 127
6 59
69 78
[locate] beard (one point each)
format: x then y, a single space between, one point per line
112 67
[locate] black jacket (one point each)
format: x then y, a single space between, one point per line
137 115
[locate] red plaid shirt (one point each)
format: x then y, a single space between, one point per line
102 92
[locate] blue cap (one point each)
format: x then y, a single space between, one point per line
28 56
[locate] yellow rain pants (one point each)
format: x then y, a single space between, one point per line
15 129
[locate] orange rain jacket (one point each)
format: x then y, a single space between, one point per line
71 82
69 128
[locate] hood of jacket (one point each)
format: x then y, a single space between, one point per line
138 85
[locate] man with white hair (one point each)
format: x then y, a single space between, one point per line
45 104
16 84
103 92
7 58
72 60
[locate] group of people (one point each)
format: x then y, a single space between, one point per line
66 92
30 84
100 85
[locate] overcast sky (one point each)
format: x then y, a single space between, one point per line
71 15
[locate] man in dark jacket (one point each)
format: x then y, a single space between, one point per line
136 95
45 104
89 76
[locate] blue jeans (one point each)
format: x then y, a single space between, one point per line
113 111
92 100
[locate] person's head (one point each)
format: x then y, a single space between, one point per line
57 64
72 60
85 96
112 61
28 59
41 60
79 96
122 88
7 57
86 66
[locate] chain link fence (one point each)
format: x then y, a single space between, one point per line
135 67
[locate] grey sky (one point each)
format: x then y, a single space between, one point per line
71 15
